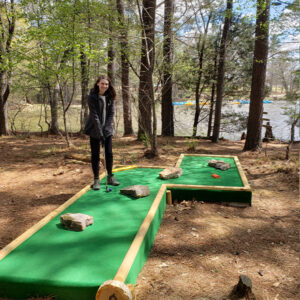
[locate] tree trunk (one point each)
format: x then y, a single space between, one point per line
200 50
293 125
4 130
127 118
253 139
84 89
167 109
7 28
212 98
111 54
211 109
53 99
221 72
146 93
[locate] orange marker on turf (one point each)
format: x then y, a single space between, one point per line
215 176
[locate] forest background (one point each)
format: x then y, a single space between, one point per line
156 53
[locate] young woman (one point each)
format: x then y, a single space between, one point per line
99 127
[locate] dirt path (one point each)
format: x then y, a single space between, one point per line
200 249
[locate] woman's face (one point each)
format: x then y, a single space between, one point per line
103 86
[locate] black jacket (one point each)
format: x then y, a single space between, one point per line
93 126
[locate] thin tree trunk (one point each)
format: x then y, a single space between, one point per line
211 109
85 70
7 29
200 50
84 88
167 109
147 63
53 99
221 73
111 55
4 128
127 118
253 139
212 98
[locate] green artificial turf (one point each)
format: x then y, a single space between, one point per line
197 172
72 265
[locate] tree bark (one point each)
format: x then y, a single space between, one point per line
111 54
146 93
212 98
253 139
221 72
127 118
85 70
4 129
53 99
84 89
200 50
7 32
167 109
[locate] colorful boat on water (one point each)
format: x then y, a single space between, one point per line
208 103
248 101
190 103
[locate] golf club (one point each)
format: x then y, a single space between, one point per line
107 189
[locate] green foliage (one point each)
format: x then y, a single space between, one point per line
293 112
145 140
191 144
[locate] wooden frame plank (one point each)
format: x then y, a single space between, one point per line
241 172
179 161
209 187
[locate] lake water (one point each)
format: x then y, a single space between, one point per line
184 118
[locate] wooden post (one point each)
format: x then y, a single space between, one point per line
169 198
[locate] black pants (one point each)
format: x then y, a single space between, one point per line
95 155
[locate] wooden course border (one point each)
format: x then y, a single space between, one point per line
116 286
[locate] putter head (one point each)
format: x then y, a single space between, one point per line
108 189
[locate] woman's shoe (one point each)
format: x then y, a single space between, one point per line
96 185
111 180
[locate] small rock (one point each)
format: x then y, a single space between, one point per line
59 172
76 222
196 235
136 191
219 164
261 272
276 284
170 173
163 265
248 230
186 203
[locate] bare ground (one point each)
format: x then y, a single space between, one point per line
200 249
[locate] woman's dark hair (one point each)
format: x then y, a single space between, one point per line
110 91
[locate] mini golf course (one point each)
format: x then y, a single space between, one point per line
50 260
